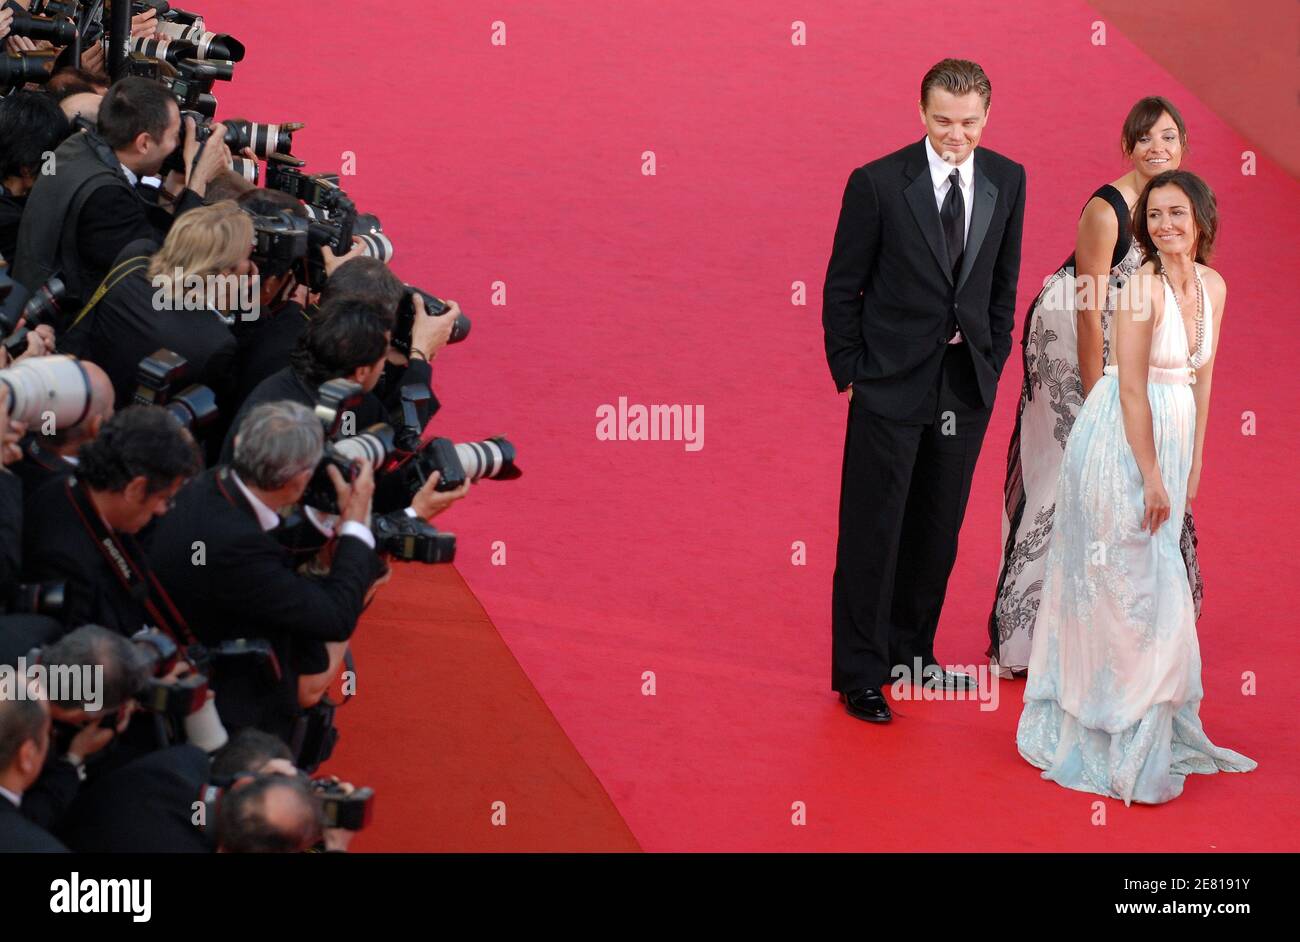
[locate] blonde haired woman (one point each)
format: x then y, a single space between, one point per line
181 298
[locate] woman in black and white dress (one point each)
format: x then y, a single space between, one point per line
1066 344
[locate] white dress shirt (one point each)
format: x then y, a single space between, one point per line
15 799
940 170
268 519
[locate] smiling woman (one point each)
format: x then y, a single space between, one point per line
1112 702
1066 342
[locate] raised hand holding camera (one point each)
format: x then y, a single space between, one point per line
428 501
354 497
206 155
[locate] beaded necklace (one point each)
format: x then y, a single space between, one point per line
1195 357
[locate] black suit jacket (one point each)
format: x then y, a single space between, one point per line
57 547
246 588
11 530
116 216
38 467
20 836
144 807
889 300
125 327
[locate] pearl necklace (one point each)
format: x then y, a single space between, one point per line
1195 358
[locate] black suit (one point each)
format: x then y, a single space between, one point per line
125 327
20 836
920 405
144 807
58 547
11 531
265 345
38 467
116 216
247 588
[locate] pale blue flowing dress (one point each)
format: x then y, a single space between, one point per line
1113 694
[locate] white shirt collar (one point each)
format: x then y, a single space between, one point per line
15 799
131 177
266 517
941 169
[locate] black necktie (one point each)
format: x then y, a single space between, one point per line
953 217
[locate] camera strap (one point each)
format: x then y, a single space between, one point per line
122 554
111 280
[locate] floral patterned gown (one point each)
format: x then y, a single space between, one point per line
1050 399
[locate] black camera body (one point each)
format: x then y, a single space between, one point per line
350 811
179 698
160 375
41 307
400 536
401 341
279 241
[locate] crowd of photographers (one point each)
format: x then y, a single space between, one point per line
215 399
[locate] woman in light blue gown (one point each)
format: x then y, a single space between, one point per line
1113 695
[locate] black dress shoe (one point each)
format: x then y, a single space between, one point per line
867 704
949 680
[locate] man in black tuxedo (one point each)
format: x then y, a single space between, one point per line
232 579
918 309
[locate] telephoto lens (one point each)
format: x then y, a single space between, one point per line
60 32
246 168
377 245
42 389
20 68
264 139
210 45
172 51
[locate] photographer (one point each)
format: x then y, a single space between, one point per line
240 582
85 532
145 308
54 455
371 279
24 744
22 626
79 219
87 719
273 814
31 126
266 343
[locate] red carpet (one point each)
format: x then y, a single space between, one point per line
522 164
